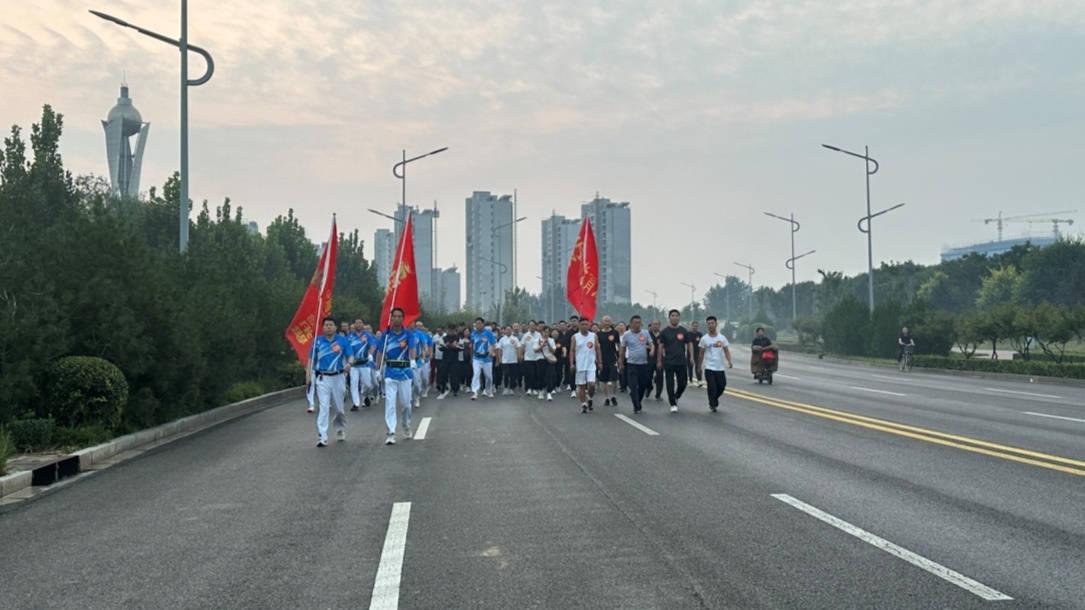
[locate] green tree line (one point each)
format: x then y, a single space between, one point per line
84 272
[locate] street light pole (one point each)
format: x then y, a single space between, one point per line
790 262
402 173
727 289
869 238
751 270
692 300
493 235
184 47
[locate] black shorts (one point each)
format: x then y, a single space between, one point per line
608 372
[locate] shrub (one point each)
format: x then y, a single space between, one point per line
7 449
32 434
86 390
935 330
242 390
808 329
1019 367
83 436
885 330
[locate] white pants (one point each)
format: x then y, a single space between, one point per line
416 382
330 390
479 367
397 390
310 394
360 382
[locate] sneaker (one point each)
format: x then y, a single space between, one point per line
366 403
571 395
341 435
390 440
712 409
321 444
541 396
354 408
591 405
636 411
584 407
550 396
417 402
425 394
442 395
407 432
310 410
474 395
489 394
674 408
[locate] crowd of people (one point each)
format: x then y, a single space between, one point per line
400 365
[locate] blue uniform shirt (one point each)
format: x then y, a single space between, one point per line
422 339
360 344
331 355
397 348
481 342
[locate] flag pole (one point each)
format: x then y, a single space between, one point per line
395 288
320 294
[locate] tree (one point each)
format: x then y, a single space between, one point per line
846 327
1001 286
1055 273
1052 327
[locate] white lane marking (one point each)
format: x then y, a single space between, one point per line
919 561
638 426
855 387
420 435
1021 393
785 376
893 379
386 587
1055 416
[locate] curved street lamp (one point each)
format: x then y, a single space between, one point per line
399 170
751 270
183 45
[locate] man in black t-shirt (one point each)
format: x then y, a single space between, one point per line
657 378
695 340
673 357
608 347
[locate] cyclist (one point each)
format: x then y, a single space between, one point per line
904 340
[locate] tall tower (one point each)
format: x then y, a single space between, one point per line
611 223
491 244
124 122
423 229
384 251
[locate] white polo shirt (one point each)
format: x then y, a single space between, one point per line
712 347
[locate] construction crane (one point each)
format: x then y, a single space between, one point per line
1029 218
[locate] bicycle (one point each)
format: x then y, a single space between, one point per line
906 359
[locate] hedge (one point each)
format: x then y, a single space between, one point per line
7 449
1019 367
32 434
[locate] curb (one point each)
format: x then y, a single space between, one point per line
166 433
953 372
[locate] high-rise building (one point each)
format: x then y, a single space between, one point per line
423 229
123 123
610 222
491 249
384 252
447 295
558 238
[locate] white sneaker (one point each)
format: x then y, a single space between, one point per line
425 394
442 395
674 409
390 440
341 435
550 396
407 432
541 396
474 395
572 394
489 394
417 402
310 410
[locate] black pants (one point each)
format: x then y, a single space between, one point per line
553 375
640 382
717 383
511 373
657 381
672 372
692 370
444 368
499 373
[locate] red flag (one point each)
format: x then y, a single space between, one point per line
316 304
582 283
402 291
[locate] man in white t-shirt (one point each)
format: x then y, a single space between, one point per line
533 358
511 352
585 358
710 362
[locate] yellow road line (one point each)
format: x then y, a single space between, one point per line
931 436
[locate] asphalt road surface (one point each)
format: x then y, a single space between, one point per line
839 486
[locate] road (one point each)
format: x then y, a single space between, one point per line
840 486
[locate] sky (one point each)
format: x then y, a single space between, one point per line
701 114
